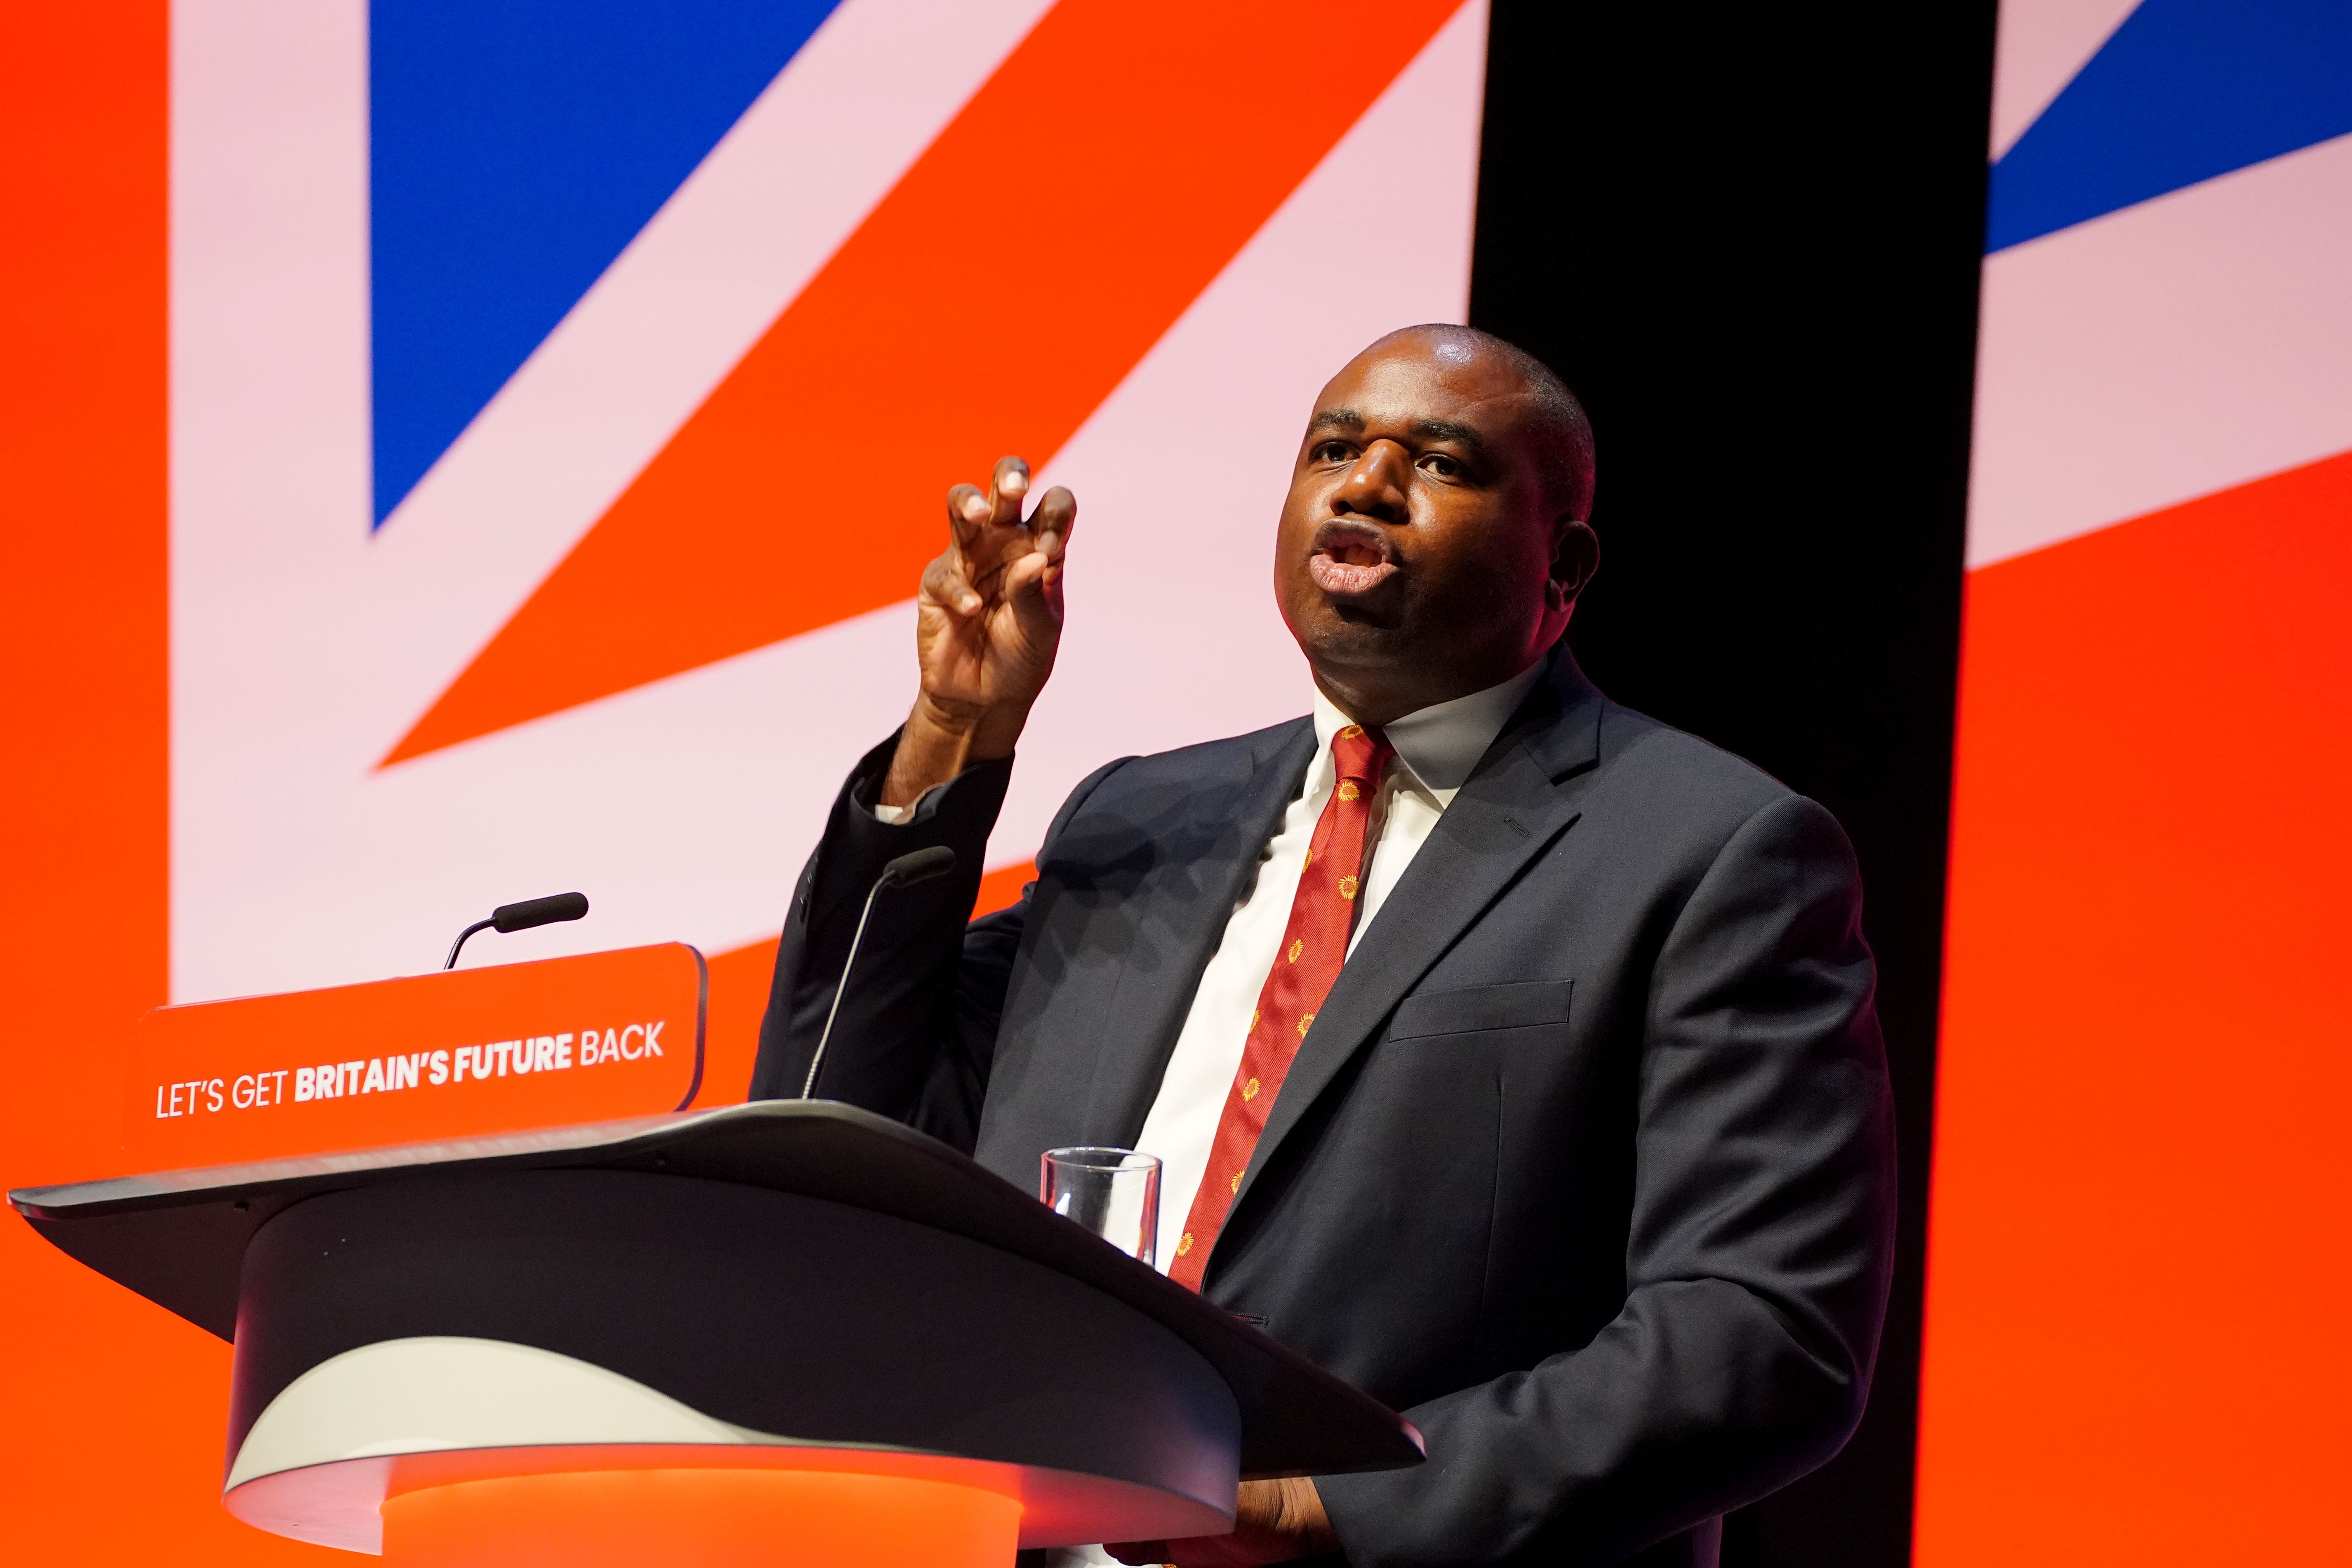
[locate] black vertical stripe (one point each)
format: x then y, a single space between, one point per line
1748 239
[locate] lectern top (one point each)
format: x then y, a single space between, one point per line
179 1239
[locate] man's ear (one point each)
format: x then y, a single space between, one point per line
1575 557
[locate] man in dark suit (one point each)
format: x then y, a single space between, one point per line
1511 1054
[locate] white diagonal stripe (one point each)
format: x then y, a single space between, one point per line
2165 352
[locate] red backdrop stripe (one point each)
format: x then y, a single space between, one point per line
112 1444
2138 1257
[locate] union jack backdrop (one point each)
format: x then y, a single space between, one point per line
563 399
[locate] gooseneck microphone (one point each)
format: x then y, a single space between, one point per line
920 866
523 915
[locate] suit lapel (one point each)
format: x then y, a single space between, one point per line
1180 924
1510 811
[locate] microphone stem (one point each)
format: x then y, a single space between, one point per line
808 1086
478 925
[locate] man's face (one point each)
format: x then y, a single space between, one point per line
1416 557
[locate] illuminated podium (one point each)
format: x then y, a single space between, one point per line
777 1332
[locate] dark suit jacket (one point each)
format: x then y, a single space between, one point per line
1586 1164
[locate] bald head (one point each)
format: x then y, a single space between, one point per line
1556 429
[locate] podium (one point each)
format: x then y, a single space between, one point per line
788 1332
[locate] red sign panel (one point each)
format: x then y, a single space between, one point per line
497 1049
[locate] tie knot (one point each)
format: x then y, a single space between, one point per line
1359 754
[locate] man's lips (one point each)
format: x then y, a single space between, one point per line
1346 578
1350 558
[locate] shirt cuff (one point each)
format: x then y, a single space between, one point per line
899 815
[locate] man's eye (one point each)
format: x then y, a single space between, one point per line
1332 452
1444 466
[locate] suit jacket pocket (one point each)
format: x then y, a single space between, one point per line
1479 1008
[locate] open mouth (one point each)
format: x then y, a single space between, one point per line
1350 558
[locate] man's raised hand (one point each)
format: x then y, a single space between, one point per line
987 622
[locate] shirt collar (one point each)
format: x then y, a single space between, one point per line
1441 743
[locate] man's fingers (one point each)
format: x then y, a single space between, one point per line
944 584
967 511
945 581
990 536
1027 587
1050 525
1007 488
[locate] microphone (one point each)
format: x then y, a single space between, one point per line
529 913
920 866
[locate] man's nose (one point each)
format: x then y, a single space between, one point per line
1374 484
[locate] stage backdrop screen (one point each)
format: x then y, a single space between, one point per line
464 451
2137 1268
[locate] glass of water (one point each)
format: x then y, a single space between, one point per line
1115 1192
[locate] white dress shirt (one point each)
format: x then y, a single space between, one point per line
1436 747
1436 750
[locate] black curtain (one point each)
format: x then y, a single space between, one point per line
1748 239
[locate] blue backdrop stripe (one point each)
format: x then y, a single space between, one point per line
2185 91
515 150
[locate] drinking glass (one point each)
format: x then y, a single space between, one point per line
1115 1192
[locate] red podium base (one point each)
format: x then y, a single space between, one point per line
708 1519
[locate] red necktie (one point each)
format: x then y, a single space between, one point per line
1314 945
